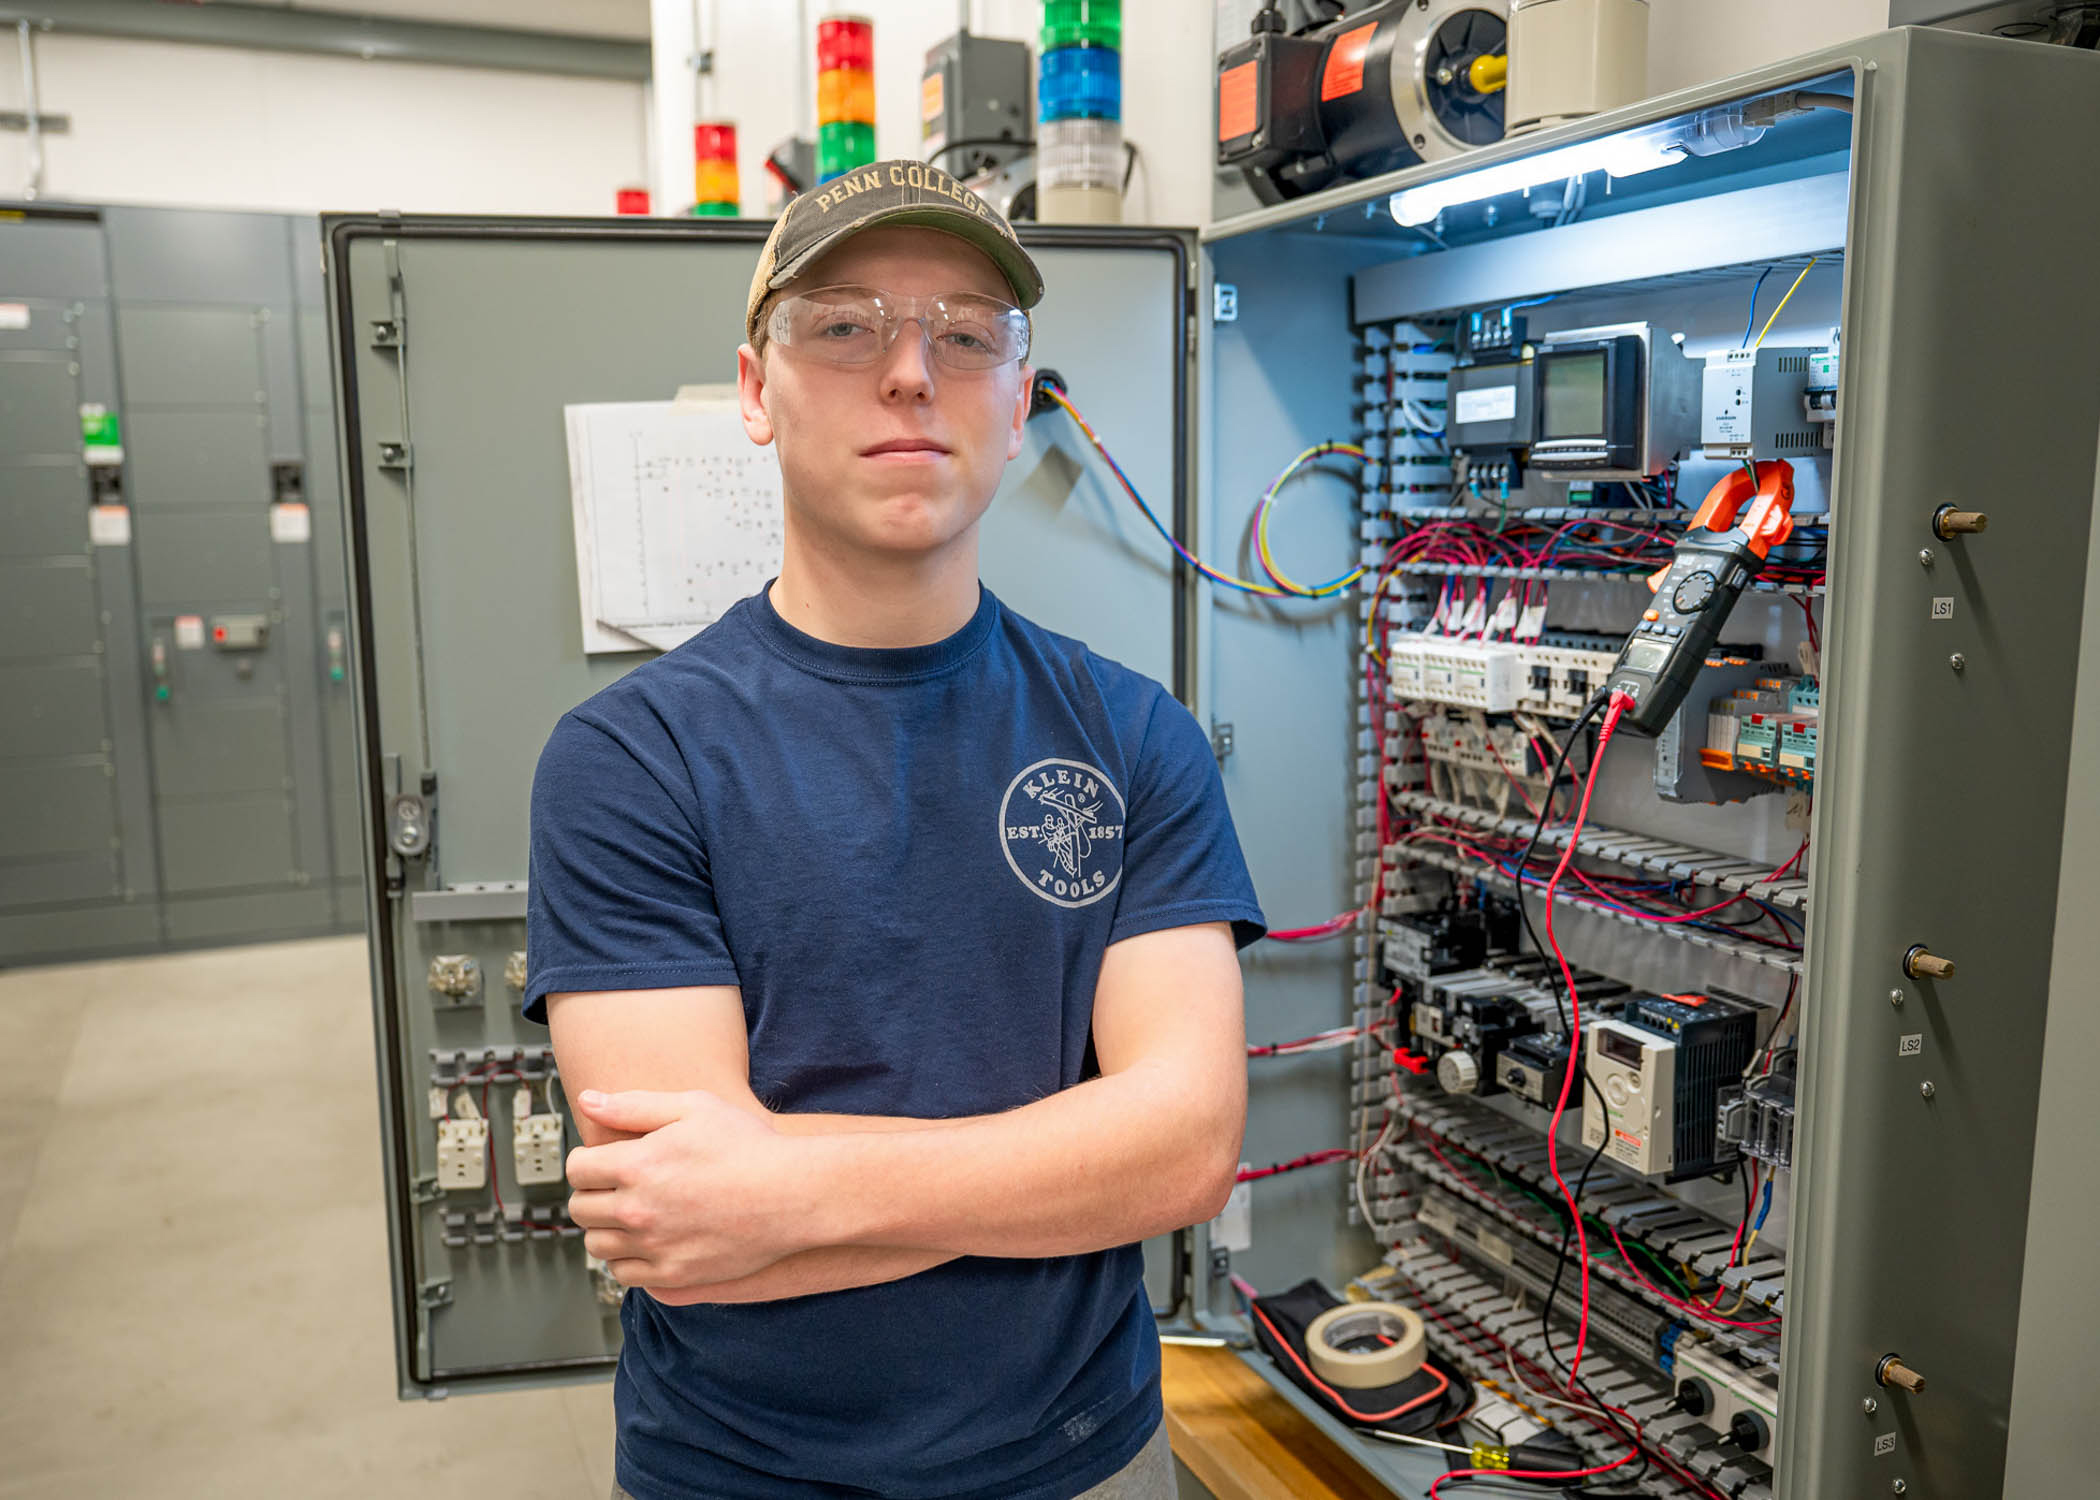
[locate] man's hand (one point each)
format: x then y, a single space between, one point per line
709 1193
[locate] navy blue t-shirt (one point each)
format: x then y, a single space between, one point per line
911 861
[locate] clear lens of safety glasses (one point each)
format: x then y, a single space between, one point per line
855 325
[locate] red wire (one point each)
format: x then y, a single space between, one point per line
1620 702
1443 1382
1328 928
495 1182
1311 1159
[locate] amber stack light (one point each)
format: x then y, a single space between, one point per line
845 95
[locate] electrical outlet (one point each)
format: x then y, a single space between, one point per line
536 1145
463 1163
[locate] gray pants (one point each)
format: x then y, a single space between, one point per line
1149 1476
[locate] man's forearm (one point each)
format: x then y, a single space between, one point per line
828 1268
832 1268
1109 1162
850 1124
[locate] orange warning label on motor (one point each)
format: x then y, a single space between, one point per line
931 95
1237 88
1345 63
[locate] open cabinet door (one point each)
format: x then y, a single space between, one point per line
457 344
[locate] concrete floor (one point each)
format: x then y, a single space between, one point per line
194 1299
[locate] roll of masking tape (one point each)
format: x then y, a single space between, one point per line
1361 1346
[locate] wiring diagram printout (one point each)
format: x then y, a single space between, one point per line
677 517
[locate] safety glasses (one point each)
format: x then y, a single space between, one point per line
855 325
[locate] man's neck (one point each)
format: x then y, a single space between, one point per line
881 601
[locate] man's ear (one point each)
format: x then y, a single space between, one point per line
751 395
1022 402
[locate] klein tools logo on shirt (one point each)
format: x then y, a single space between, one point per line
1061 826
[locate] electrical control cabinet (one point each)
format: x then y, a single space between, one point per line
179 771
1852 829
1790 846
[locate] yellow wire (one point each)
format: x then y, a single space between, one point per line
1261 532
1782 301
1743 1261
1201 567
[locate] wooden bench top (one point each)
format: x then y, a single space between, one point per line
1244 1441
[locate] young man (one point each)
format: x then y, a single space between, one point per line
888 941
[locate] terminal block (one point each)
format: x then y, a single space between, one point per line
1767 729
1757 1119
452 1066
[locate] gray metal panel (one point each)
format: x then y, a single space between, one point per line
94 326
191 356
56 809
39 403
47 608
252 916
215 748
53 879
2052 1404
1062 544
50 323
315 382
196 255
58 258
226 842
1910 1212
204 558
60 935
53 708
43 508
197 458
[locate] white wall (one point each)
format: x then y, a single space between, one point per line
1697 41
222 127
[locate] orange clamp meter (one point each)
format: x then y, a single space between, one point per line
1743 518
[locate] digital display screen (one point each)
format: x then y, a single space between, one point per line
1571 396
1647 656
1619 1047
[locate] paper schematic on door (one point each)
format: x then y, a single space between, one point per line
677 517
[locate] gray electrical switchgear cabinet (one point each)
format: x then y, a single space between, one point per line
1906 214
177 745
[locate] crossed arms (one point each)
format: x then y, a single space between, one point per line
688 1186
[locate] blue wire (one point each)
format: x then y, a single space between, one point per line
1752 322
1764 1208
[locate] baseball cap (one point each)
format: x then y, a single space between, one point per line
897 194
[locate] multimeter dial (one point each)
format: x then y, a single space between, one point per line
1693 592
